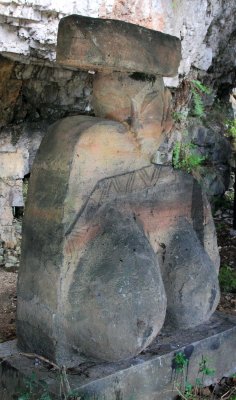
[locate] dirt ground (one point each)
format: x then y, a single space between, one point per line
227 246
7 304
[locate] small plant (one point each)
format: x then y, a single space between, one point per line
180 365
185 157
198 90
176 155
220 226
229 196
199 86
222 203
31 386
174 4
203 371
179 116
204 368
227 278
190 391
180 362
231 128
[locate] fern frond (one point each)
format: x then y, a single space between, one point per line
202 88
176 155
198 110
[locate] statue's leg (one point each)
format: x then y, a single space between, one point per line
190 279
116 296
178 223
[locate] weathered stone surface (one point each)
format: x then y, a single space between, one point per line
117 298
149 376
140 101
18 147
63 222
190 279
29 29
53 208
51 92
124 97
32 92
223 45
12 164
11 195
112 45
209 142
9 91
110 216
207 234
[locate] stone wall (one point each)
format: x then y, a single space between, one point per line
32 96
35 92
221 37
16 157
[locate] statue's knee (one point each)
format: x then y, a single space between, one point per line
117 297
190 279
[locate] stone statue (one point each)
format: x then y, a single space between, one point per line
113 245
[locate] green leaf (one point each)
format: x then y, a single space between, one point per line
200 86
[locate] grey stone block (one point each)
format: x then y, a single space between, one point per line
149 376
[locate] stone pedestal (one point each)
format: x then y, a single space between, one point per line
149 376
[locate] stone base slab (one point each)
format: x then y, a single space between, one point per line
149 376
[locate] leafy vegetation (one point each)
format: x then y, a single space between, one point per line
224 202
199 86
198 90
227 278
30 387
231 128
179 116
180 361
185 157
188 390
204 369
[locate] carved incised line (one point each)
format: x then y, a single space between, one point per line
110 188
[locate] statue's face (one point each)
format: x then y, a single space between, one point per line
142 104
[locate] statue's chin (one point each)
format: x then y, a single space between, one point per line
149 138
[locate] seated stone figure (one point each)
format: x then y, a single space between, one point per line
113 245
